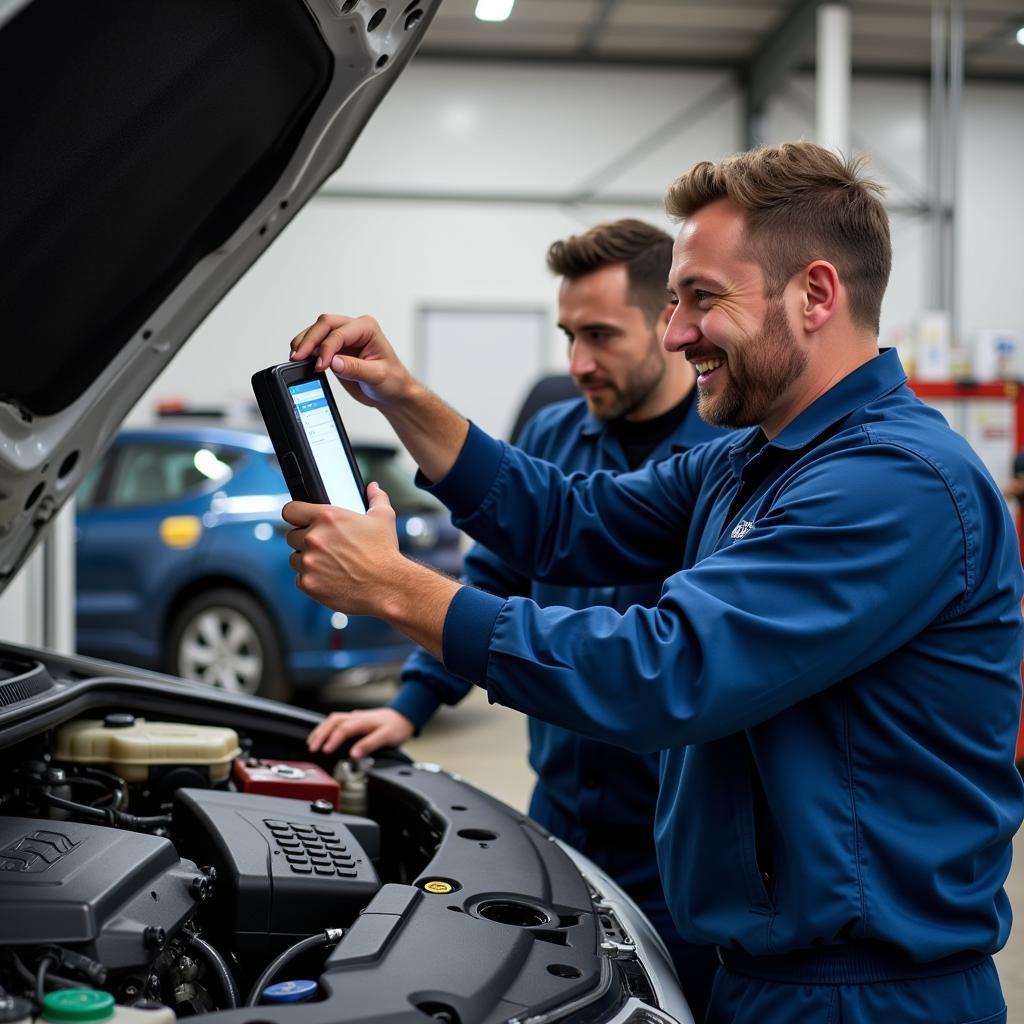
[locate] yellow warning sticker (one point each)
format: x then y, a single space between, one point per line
438 887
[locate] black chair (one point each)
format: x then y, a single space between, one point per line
554 388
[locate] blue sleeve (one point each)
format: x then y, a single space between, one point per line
426 683
578 529
858 555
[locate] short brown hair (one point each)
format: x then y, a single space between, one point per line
802 203
644 250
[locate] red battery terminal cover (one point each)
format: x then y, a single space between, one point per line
298 780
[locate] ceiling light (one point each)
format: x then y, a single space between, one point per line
493 10
1020 34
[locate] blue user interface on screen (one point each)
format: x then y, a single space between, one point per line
328 450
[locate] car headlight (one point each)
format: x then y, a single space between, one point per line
421 532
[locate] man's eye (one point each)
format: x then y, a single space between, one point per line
701 296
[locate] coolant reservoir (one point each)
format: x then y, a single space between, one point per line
131 746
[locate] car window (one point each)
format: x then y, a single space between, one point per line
396 477
86 493
148 474
393 473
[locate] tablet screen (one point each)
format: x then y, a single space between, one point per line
326 445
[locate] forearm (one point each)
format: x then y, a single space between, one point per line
575 530
415 601
430 430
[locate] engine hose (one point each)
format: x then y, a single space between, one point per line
108 815
219 966
97 814
330 937
52 980
118 787
44 965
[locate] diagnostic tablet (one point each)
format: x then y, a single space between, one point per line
305 428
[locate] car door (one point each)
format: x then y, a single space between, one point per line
139 537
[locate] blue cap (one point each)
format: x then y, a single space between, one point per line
290 991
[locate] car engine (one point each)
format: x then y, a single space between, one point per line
184 868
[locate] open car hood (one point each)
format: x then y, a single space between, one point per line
151 153
143 813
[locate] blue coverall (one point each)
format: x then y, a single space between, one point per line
833 679
597 797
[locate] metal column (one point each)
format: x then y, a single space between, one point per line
58 582
947 85
833 73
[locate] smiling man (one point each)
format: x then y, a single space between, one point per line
637 405
833 674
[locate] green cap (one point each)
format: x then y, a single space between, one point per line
77 1005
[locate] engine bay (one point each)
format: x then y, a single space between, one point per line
183 868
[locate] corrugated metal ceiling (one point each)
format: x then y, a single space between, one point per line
887 37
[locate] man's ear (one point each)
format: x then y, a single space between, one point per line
820 295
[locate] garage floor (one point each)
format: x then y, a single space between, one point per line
487 745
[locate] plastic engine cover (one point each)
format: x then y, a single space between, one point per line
94 888
284 870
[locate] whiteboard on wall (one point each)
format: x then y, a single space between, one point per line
482 360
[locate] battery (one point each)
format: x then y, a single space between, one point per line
299 780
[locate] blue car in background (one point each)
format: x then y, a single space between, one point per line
182 564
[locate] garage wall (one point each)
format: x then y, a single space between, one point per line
546 131
890 122
465 129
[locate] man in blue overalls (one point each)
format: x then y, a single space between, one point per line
834 674
638 404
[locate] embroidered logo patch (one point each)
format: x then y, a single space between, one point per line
741 529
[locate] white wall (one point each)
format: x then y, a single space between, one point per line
890 124
991 291
547 130
469 129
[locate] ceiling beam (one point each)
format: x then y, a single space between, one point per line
596 25
525 55
882 69
1000 35
563 199
784 48
669 131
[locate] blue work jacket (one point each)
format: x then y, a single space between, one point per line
586 789
833 677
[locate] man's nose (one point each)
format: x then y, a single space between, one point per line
581 360
681 332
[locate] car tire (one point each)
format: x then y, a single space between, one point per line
225 638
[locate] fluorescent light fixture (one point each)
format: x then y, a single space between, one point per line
1020 33
493 10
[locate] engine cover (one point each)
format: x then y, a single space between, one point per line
97 889
284 870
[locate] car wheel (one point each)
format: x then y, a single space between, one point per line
225 638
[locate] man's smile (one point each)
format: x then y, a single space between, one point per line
706 367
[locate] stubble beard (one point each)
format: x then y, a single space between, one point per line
770 363
624 398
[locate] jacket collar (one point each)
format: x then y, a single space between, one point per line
875 378
590 427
